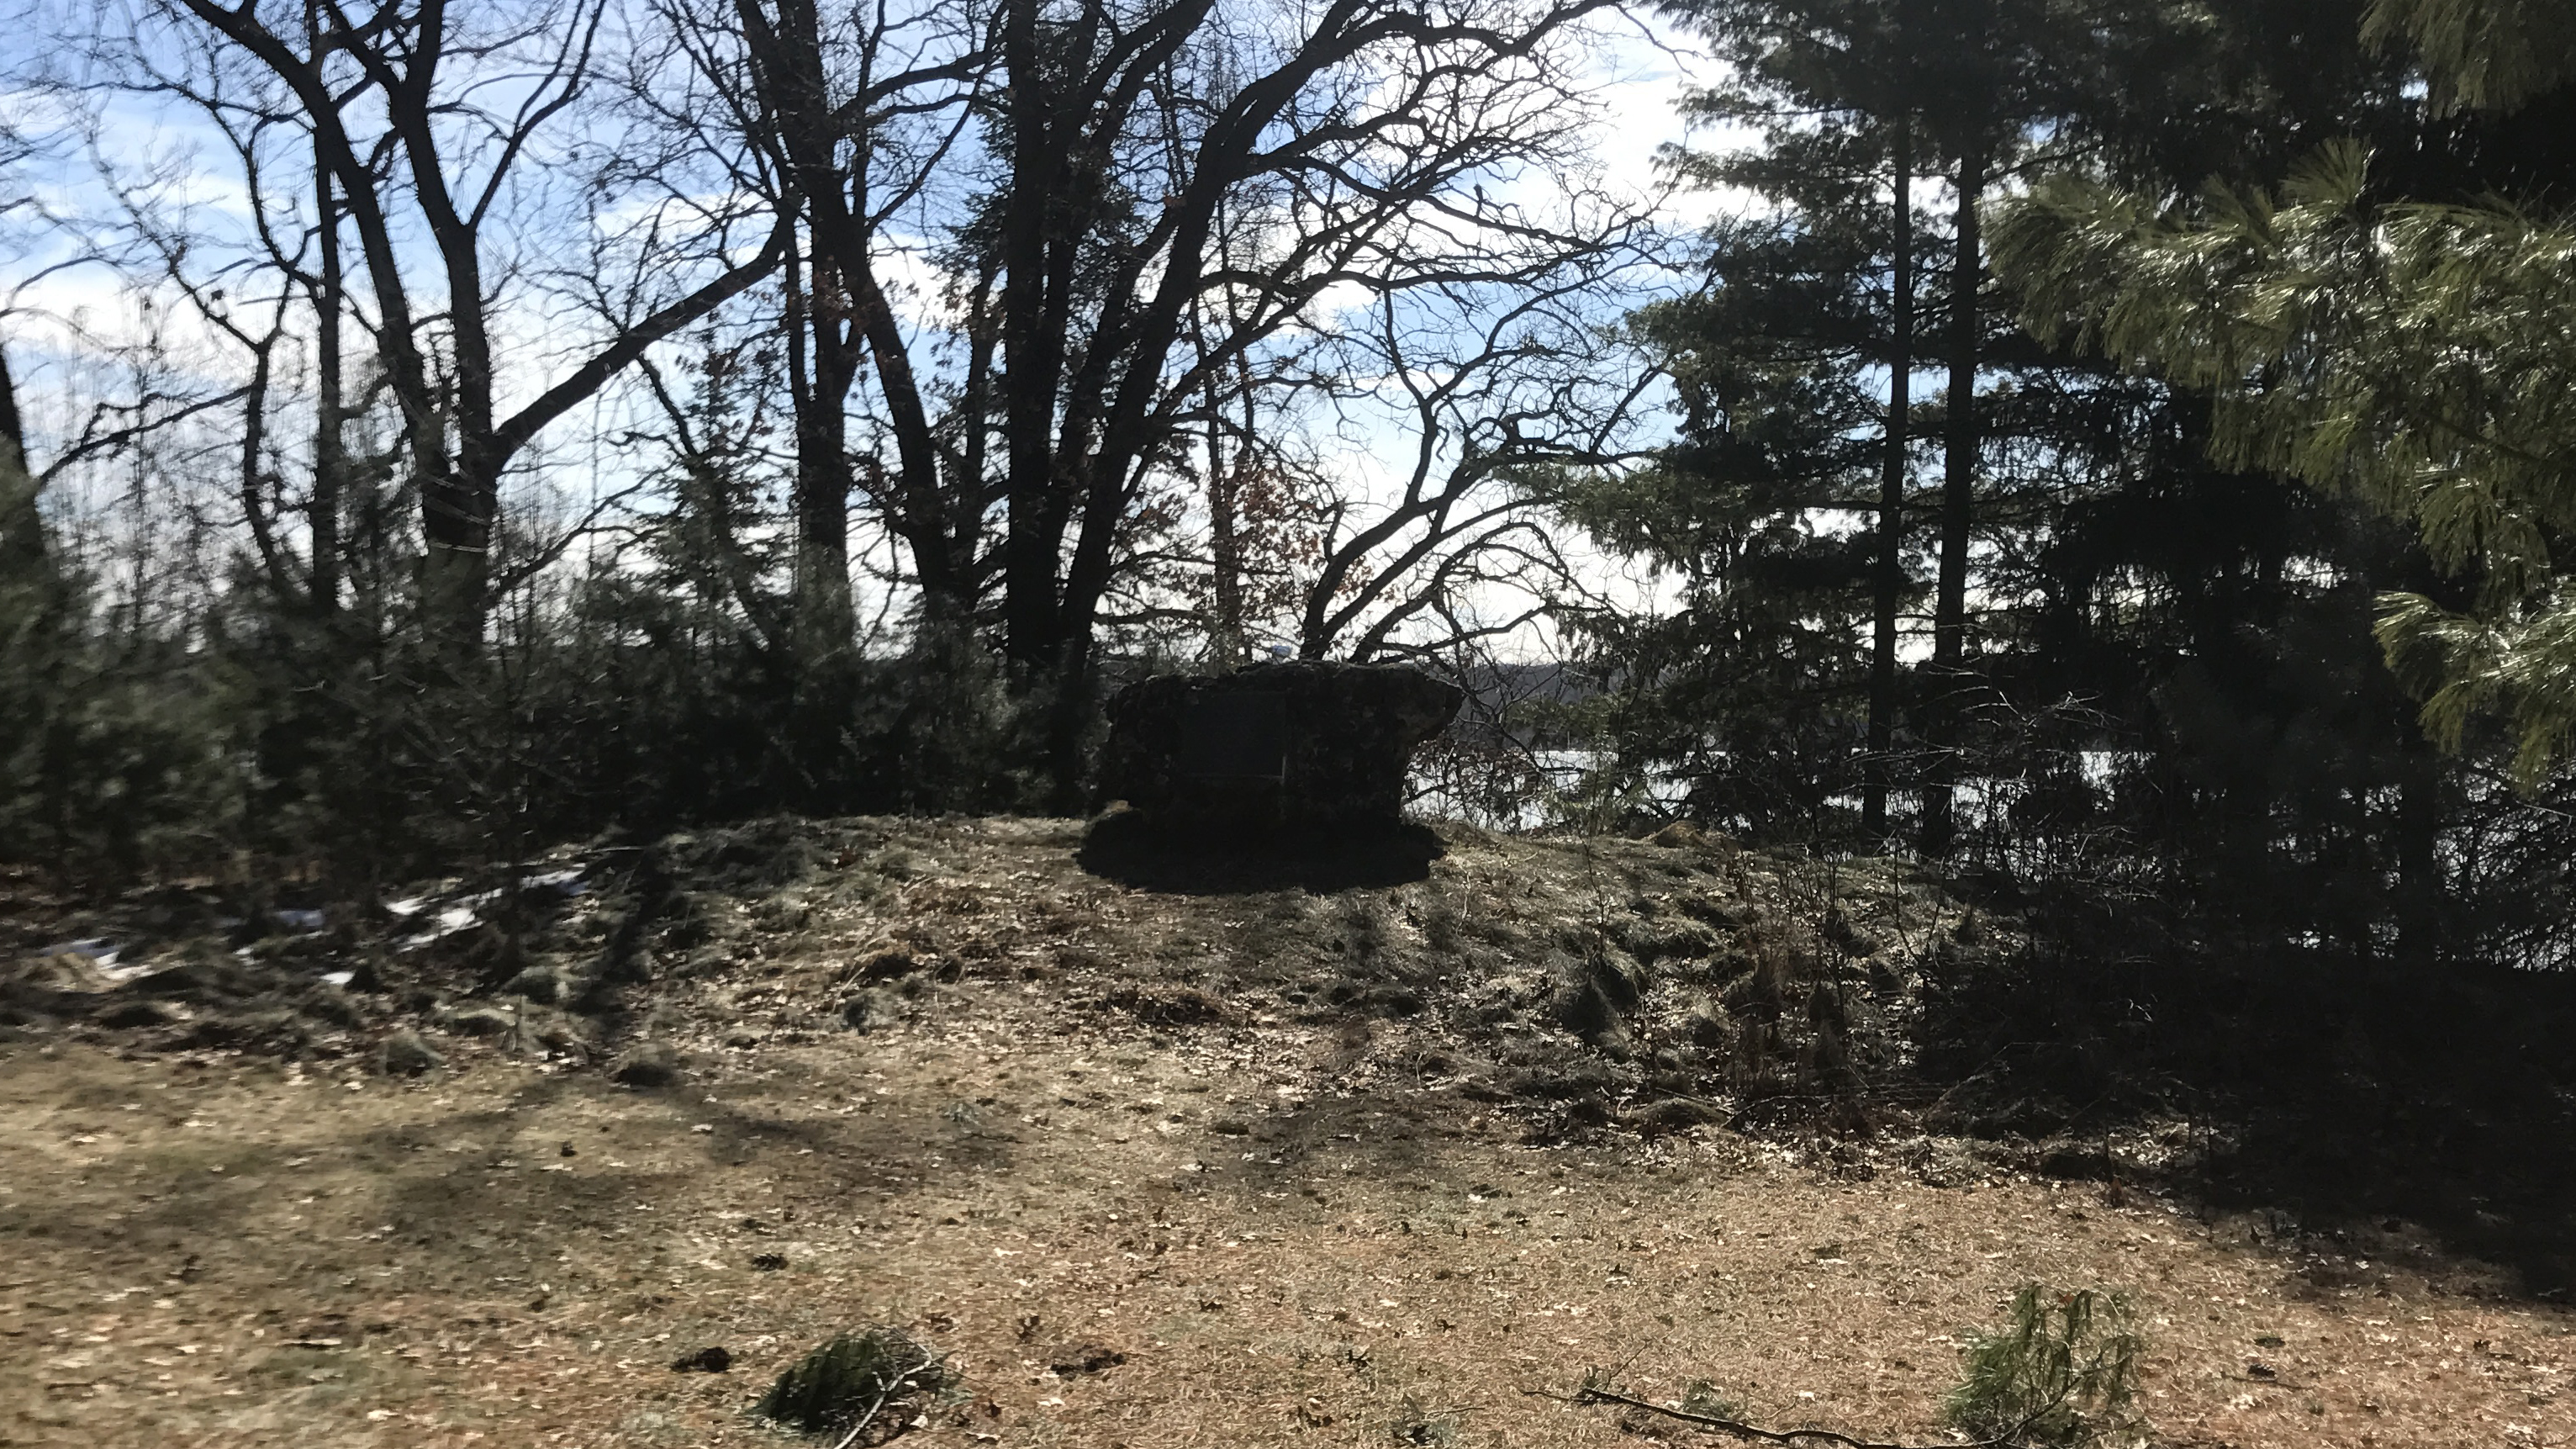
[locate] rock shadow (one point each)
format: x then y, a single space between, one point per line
1126 848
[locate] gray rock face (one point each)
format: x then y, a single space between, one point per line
647 1064
404 1054
541 984
480 1021
1290 747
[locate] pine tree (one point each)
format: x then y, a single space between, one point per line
2413 353
1855 105
1783 507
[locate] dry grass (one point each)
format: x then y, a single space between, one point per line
1295 1225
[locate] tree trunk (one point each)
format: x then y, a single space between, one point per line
330 450
22 529
1947 713
1225 552
1086 583
1226 642
842 312
330 444
825 622
256 513
456 566
1033 361
464 504
2419 841
1890 580
961 518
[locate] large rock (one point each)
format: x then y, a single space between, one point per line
1291 747
404 1054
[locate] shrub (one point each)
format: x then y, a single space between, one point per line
1420 1424
867 1387
2063 1373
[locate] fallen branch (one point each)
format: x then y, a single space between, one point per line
1593 1392
1591 1395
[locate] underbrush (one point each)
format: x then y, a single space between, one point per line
1876 1015
2356 1094
1585 984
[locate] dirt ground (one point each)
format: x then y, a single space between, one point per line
1127 1157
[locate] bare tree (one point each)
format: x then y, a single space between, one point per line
1505 393
1369 132
143 396
423 119
1167 192
857 120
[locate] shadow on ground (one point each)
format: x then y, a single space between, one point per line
463 1199
1125 849
2352 1100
